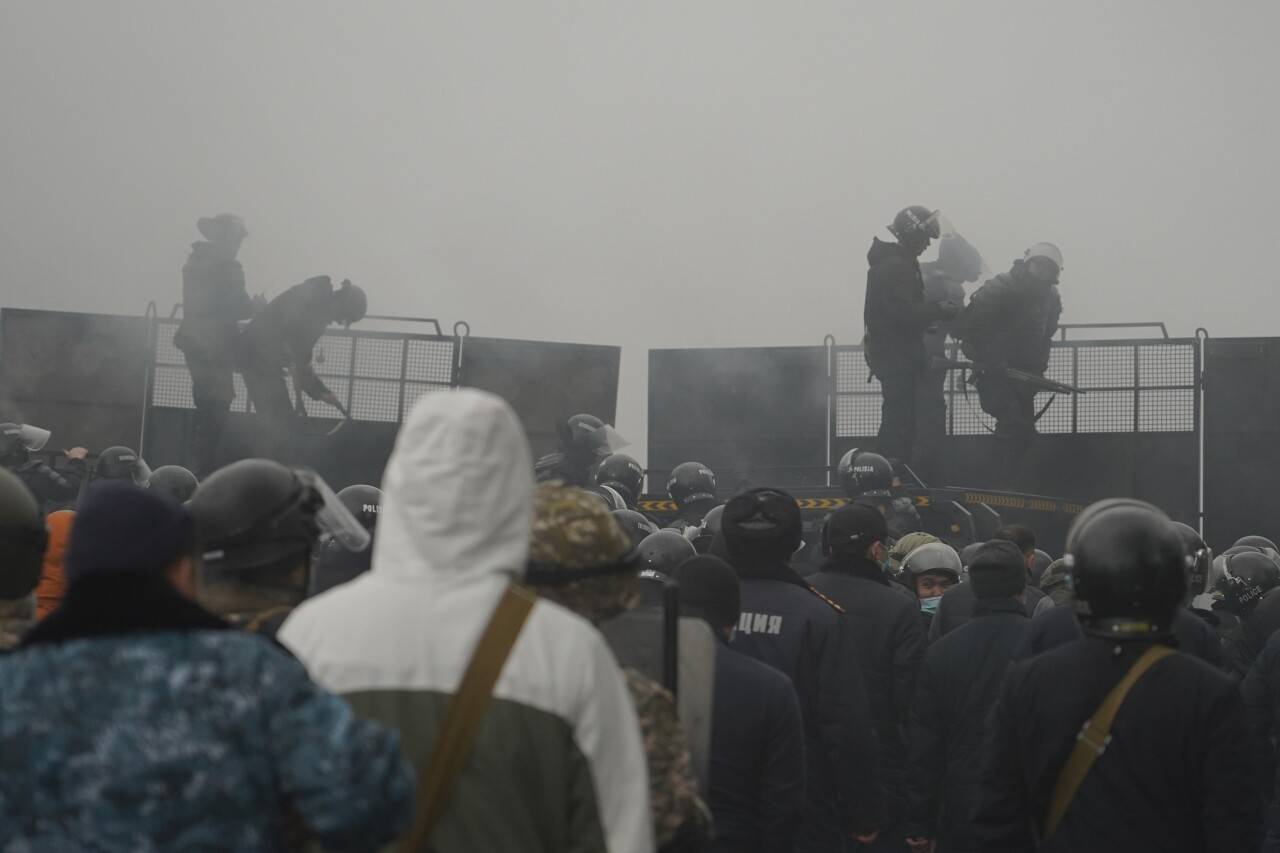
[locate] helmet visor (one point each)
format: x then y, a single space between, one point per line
603 439
140 472
33 438
333 517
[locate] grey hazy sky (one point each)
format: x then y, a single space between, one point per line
647 174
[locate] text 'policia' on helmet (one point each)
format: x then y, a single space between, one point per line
363 502
1128 568
121 463
257 513
691 482
865 474
623 474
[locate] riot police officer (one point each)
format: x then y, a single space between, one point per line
623 474
258 523
868 478
336 564
896 316
17 444
1170 767
1010 322
282 337
213 300
584 441
692 486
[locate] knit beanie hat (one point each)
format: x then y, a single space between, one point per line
998 570
709 589
120 528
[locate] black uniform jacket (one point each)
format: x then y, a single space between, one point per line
793 628
958 685
285 332
1053 628
1010 320
894 310
1178 774
213 299
757 757
889 641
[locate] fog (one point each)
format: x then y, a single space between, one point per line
642 174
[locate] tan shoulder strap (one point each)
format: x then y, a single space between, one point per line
1093 739
466 711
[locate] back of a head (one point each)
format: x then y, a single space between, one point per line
121 529
623 474
865 474
458 489
121 463
967 552
662 551
1128 569
709 590
761 527
22 538
173 482
997 570
636 524
1019 534
579 555
691 483
852 529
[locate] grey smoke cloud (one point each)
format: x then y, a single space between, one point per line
658 174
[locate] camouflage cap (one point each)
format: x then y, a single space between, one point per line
580 557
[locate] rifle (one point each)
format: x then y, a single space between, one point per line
1034 380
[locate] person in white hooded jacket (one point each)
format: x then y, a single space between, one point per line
557 764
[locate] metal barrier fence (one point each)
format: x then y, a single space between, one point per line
1132 386
378 376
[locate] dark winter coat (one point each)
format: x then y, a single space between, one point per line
894 310
1178 774
570 469
1010 321
958 685
201 738
757 757
793 628
889 641
957 607
1261 691
284 333
213 299
51 487
1059 626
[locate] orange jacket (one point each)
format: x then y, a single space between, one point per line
53 582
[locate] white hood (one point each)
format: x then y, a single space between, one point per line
457 493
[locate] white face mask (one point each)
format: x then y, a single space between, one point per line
930 605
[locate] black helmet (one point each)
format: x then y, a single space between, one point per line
1247 575
587 435
121 463
352 303
691 482
13 445
661 552
1201 560
865 474
709 529
609 495
22 539
1128 568
362 502
620 472
916 226
1262 543
173 482
636 524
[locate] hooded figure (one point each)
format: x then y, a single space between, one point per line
557 761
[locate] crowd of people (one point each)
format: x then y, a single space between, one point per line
253 662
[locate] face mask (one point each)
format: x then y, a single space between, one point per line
930 605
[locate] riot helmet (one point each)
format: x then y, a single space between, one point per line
121 463
1247 575
173 482
865 474
1128 569
636 524
22 539
623 474
691 483
258 522
609 496
661 552
1201 560
958 259
915 227
709 529
1262 543
588 436
19 440
350 303
362 501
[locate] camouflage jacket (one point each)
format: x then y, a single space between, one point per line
678 812
182 735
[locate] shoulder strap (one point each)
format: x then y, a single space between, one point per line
1093 739
466 711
